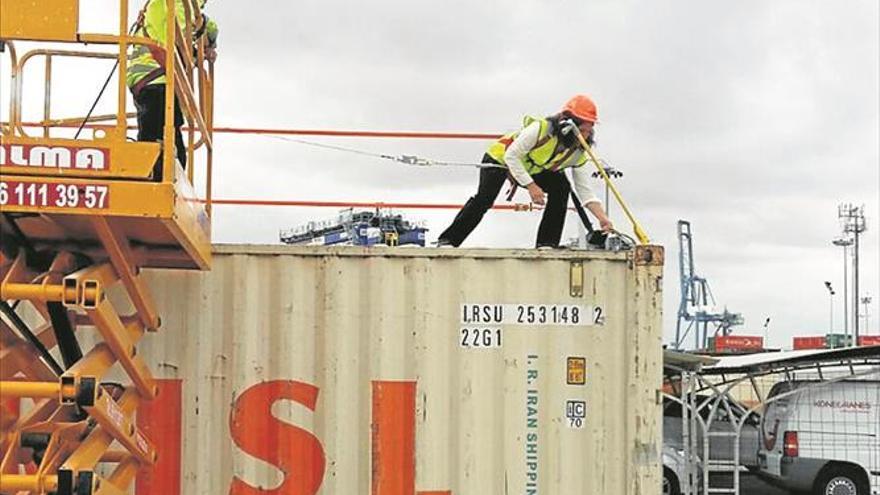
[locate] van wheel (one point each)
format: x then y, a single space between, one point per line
841 480
670 483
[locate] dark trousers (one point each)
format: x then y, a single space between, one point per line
555 184
150 104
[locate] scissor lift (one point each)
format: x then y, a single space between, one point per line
79 216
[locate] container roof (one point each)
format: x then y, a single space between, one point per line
417 252
767 362
677 361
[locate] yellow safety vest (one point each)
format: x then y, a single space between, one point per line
145 63
543 156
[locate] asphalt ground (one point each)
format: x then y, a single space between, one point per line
753 485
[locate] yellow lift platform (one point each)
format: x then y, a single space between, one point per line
77 217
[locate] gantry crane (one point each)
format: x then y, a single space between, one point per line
80 216
697 306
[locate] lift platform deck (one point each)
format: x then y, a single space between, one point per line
54 186
166 223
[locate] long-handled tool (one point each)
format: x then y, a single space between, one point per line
640 233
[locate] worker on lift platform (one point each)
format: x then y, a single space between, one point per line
146 73
535 157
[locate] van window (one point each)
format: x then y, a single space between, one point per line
776 412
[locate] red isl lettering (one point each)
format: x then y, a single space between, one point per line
294 451
394 439
160 420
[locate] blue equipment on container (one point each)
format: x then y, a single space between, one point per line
361 228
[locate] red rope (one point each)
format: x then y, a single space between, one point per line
321 132
346 204
379 134
377 204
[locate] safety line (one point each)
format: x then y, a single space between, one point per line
404 159
329 147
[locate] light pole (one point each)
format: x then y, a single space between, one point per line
612 173
845 242
866 301
830 306
853 218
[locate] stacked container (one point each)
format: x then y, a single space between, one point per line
817 342
838 340
736 344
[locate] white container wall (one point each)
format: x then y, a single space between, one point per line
401 371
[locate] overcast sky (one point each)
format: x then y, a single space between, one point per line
752 119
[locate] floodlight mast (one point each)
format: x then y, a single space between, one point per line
853 222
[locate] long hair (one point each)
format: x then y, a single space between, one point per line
567 139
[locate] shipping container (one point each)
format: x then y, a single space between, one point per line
866 340
801 343
736 343
838 340
350 370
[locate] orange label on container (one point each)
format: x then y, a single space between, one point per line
577 371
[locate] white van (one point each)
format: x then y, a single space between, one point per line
823 439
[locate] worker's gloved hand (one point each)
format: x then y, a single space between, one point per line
536 193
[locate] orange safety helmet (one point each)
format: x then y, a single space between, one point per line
582 107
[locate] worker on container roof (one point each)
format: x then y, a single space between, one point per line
146 71
535 157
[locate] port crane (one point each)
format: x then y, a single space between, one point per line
697 311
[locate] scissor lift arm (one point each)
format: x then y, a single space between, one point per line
71 233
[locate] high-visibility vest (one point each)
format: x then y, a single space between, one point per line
146 63
544 155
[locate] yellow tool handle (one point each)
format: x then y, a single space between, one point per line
637 229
